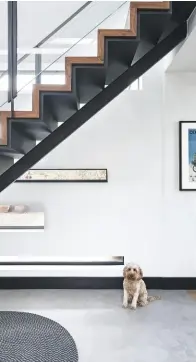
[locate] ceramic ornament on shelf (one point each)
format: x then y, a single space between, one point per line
4 208
20 209
13 208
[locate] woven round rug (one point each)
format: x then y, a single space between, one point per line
26 337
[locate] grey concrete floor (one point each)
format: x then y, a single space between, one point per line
164 331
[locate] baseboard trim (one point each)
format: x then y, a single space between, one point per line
92 283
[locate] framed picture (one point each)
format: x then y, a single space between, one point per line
64 175
187 162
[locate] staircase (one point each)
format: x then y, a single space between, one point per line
123 56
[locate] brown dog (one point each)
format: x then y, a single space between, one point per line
134 287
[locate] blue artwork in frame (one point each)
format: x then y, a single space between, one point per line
187 156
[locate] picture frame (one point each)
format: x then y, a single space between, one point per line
187 155
64 175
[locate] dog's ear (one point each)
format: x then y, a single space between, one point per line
124 272
140 273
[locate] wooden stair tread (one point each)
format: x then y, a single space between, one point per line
150 5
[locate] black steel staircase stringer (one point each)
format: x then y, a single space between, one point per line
93 106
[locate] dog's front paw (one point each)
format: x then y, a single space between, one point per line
142 304
133 306
125 305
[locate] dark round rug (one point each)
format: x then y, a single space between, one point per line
26 337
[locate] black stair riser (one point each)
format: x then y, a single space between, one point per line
18 143
18 140
61 105
152 25
35 130
46 113
91 108
182 10
119 54
88 80
21 131
5 162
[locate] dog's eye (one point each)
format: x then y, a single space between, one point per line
129 269
134 270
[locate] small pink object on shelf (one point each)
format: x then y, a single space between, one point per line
4 208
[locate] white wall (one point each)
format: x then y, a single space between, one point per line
183 57
179 208
139 213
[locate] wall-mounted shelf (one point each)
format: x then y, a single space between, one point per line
30 221
61 260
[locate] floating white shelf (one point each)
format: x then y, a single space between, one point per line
30 221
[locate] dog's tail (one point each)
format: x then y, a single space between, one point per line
151 299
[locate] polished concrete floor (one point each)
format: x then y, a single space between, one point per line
164 331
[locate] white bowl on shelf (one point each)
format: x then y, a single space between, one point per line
20 209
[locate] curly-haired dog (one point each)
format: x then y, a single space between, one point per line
134 287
